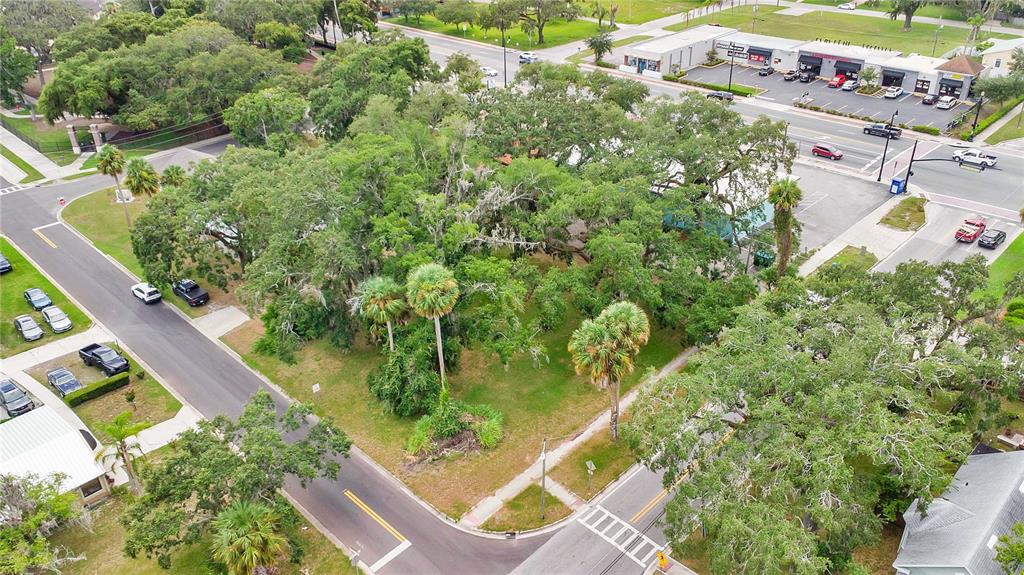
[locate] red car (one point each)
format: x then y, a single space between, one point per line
826 151
970 230
837 81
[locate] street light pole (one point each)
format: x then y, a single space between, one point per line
888 137
504 60
977 113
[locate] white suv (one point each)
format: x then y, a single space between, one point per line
146 292
946 103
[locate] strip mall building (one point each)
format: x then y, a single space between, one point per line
689 48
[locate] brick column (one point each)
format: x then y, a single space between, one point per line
96 137
74 140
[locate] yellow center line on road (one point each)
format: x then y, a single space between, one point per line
373 515
44 238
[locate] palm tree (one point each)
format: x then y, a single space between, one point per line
784 195
600 44
110 162
173 176
606 346
432 292
121 430
379 299
140 177
247 538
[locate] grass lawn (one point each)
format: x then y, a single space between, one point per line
851 256
12 304
1010 131
1006 266
522 512
878 558
860 30
610 458
52 139
944 11
583 54
640 11
103 556
545 401
98 217
31 174
153 403
79 175
555 33
908 215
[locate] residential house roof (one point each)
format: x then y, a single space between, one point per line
1006 45
958 530
42 443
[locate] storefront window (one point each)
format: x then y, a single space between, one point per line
922 86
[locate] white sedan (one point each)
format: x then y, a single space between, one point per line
488 71
146 292
893 92
848 6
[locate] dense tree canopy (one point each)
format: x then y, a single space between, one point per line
30 509
188 75
224 461
37 23
860 391
17 67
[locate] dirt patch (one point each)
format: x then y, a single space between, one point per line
461 444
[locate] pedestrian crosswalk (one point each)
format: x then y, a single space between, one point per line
13 188
626 538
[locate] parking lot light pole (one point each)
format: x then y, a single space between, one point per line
888 136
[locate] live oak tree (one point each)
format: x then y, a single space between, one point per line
416 9
272 117
906 10
18 66
540 12
224 461
856 402
32 508
243 17
36 24
462 13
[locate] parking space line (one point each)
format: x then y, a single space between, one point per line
373 515
859 110
904 98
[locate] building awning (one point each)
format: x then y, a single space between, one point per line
760 52
893 74
847 67
810 60
951 83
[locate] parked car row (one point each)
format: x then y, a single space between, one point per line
53 316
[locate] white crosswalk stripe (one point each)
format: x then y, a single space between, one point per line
13 188
620 534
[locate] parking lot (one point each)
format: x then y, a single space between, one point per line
911 111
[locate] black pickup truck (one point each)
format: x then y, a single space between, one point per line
104 358
190 291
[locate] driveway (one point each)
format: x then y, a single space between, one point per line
832 202
911 111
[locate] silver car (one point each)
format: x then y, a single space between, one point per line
14 399
28 328
57 319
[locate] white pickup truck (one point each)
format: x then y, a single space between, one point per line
975 157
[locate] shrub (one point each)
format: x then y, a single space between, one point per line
992 118
452 417
738 90
140 375
1015 313
408 383
603 64
101 387
926 130
670 77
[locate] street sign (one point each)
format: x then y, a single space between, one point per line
737 53
316 388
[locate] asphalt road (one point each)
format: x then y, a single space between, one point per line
214 382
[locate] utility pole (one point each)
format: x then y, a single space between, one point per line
337 22
543 475
732 61
977 113
935 42
504 60
910 168
888 128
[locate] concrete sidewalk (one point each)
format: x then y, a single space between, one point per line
490 505
876 238
1009 117
162 433
47 167
55 349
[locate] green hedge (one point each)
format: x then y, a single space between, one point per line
101 387
738 90
991 119
927 130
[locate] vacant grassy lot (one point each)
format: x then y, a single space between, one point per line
944 11
103 556
153 403
31 174
52 140
555 33
1010 131
101 219
640 11
548 400
610 458
1006 266
522 512
851 256
860 30
908 215
12 304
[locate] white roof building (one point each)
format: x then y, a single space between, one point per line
657 47
42 443
913 63
847 51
